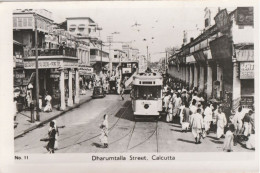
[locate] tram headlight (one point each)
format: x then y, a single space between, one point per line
146 106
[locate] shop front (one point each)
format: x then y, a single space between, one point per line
245 58
57 76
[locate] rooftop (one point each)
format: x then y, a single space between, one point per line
76 18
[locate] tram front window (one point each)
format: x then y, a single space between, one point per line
147 92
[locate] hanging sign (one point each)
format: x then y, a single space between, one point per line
245 16
246 70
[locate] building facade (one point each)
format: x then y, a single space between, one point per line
220 61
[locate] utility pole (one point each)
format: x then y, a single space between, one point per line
37 72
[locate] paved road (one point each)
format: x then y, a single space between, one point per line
81 132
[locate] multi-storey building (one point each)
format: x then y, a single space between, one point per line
57 56
85 29
220 61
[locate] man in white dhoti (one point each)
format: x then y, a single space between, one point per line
186 113
208 117
197 125
169 111
177 104
221 123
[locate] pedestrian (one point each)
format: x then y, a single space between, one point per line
48 107
248 123
208 117
51 138
40 103
28 99
122 90
32 111
197 125
169 110
181 112
193 107
229 139
56 136
177 104
221 123
104 131
250 143
186 113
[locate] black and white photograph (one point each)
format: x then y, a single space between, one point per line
133 81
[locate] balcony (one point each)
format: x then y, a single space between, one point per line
95 58
65 52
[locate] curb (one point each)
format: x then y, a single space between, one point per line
51 118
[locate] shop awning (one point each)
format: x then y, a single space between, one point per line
17 43
221 48
199 57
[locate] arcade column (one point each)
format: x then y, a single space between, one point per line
209 81
62 91
77 86
70 99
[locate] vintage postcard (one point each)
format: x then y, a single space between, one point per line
145 85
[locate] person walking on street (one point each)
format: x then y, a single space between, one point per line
104 131
169 110
51 138
197 125
208 117
221 123
248 123
186 113
122 91
229 139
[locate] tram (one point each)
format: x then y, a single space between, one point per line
146 94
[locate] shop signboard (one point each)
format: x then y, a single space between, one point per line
54 75
244 55
222 20
19 75
244 16
246 70
126 70
247 101
70 64
19 62
43 64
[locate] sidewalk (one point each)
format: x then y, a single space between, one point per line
23 118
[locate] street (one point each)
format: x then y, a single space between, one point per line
81 132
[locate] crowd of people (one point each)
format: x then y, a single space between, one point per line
201 117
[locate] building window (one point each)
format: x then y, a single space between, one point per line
72 29
14 22
20 22
24 22
115 56
93 52
29 21
81 29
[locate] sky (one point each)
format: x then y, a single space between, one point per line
165 24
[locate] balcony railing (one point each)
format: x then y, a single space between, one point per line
52 52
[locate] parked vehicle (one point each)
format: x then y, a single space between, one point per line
98 92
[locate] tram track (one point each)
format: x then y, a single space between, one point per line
128 104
